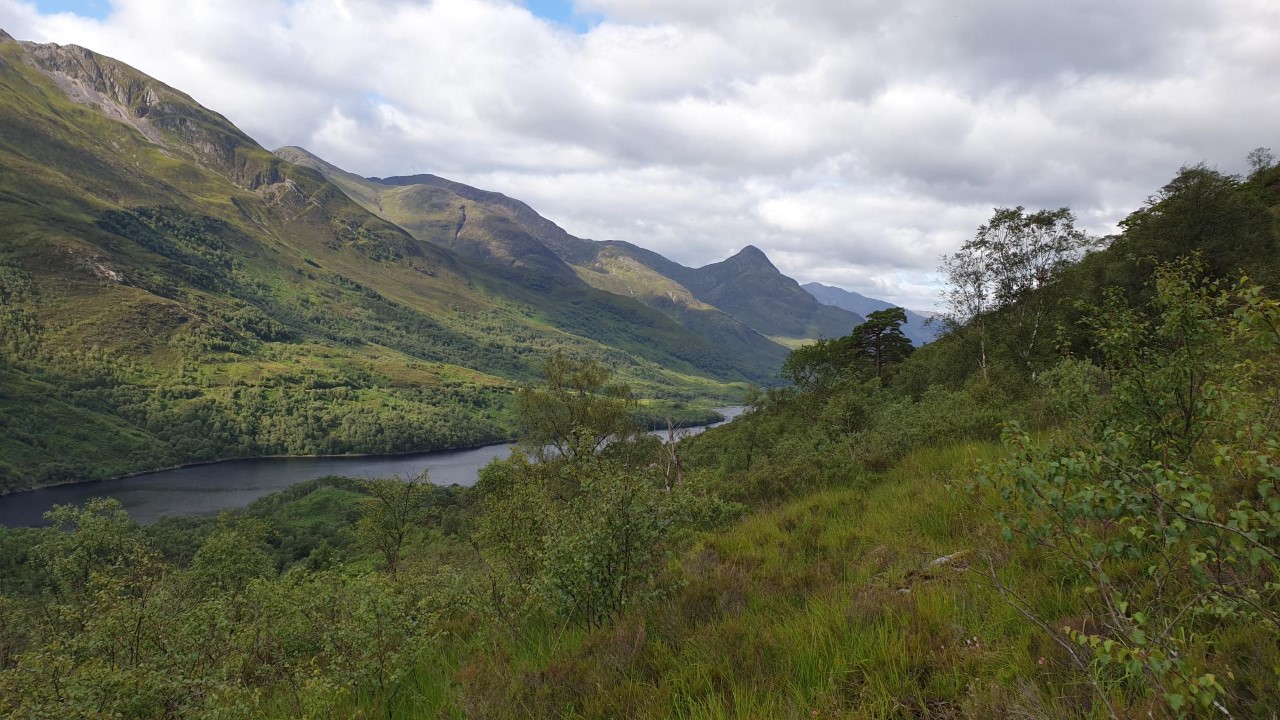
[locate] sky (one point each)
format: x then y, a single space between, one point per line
854 141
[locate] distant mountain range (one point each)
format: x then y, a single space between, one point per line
742 304
170 292
921 327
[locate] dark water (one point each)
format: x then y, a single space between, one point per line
206 489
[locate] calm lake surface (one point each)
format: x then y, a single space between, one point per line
206 489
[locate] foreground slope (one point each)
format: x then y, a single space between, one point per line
170 291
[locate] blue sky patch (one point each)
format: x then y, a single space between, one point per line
98 9
561 12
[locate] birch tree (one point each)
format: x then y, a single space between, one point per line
1003 274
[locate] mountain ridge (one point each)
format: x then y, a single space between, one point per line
920 328
714 301
417 204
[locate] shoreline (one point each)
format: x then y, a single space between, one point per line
201 463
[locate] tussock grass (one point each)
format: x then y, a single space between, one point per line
827 606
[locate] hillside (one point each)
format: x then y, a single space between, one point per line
918 327
735 304
171 292
494 228
432 210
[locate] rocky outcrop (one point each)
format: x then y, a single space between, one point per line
163 115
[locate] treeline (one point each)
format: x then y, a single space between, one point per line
148 427
87 414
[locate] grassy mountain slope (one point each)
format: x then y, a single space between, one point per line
494 228
747 288
750 288
432 210
917 328
171 292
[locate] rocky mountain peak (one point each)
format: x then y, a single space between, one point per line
753 256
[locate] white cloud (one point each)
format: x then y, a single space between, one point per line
853 141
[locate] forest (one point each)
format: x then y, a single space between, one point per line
258 370
1065 507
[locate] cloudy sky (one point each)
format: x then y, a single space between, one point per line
853 140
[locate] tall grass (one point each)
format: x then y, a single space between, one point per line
828 606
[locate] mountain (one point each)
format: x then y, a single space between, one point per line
742 304
750 288
433 210
172 292
746 287
497 229
919 328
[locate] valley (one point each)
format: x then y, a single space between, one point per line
278 440
170 292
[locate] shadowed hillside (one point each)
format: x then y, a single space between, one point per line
737 304
918 327
497 229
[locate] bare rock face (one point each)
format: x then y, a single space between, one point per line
163 115
110 80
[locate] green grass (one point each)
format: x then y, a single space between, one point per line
792 343
826 606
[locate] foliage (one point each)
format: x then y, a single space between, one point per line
231 557
1204 211
870 348
820 363
603 549
393 510
121 632
89 546
1261 158
575 411
880 338
1002 276
584 532
590 552
1165 500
